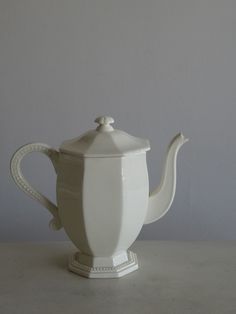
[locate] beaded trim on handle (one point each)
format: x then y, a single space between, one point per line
25 186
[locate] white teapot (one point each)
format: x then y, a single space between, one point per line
103 195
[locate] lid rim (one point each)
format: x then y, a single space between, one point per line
82 155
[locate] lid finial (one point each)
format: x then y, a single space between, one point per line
104 123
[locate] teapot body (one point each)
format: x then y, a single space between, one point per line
102 196
102 202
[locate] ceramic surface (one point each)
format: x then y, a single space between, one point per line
103 195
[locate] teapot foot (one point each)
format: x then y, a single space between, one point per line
103 271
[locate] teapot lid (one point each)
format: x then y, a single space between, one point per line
105 141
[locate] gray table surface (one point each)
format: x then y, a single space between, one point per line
174 277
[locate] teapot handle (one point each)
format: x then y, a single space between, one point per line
23 184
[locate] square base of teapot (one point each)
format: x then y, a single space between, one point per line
127 265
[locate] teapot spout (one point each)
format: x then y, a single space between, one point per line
162 197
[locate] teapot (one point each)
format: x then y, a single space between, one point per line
103 195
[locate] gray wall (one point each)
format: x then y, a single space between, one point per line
156 66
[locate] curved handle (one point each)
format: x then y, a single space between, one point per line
23 184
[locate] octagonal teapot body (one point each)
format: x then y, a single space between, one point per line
103 195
